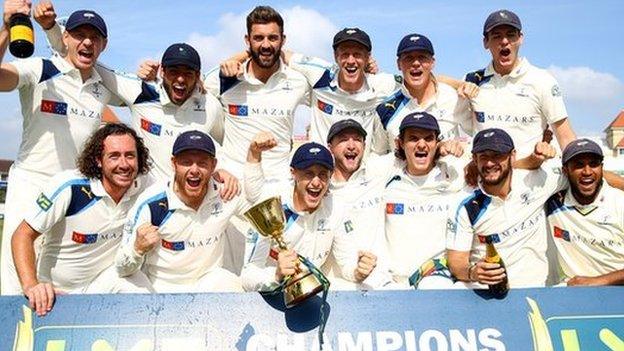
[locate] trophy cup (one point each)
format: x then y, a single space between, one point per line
268 218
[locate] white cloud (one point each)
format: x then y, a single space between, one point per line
587 86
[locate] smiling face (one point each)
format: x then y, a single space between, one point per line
416 67
504 43
311 185
119 162
193 170
493 167
419 146
585 175
179 82
348 150
352 59
264 42
84 46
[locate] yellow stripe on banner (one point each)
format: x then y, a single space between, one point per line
611 340
55 345
21 32
101 345
570 340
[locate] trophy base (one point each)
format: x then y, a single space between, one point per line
302 286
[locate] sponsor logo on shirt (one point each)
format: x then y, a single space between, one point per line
44 202
54 107
150 127
325 107
555 91
238 110
203 242
394 208
322 225
481 117
217 208
96 90
561 233
348 225
81 238
172 245
495 238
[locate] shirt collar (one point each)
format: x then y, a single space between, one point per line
423 104
246 76
67 68
97 188
521 69
570 200
176 203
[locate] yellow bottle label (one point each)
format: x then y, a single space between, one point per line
493 259
21 32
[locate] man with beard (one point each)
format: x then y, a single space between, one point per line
422 92
515 95
174 233
586 221
508 207
316 225
263 97
81 214
62 102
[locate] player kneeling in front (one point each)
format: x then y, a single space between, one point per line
81 214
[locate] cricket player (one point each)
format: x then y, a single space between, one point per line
62 101
508 206
315 224
81 214
421 91
174 233
515 95
586 221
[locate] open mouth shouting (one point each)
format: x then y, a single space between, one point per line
85 56
587 184
193 182
421 157
178 91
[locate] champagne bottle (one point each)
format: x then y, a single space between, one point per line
492 256
22 42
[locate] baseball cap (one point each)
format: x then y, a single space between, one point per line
413 42
86 17
310 154
421 120
581 146
343 124
492 139
193 140
501 17
352 34
181 54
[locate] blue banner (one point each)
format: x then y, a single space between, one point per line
569 319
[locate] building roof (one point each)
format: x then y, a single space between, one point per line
5 165
618 122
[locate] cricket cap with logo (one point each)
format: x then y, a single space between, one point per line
194 140
352 34
181 54
581 146
415 42
86 17
343 125
420 120
499 18
310 154
492 139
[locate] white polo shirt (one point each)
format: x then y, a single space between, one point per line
329 103
416 215
252 106
82 228
312 235
589 238
523 103
517 224
451 112
159 121
60 112
191 242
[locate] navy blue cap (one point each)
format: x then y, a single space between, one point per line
581 146
492 139
86 17
420 120
352 34
194 140
413 42
499 18
310 154
344 124
181 54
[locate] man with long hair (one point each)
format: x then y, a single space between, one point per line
81 214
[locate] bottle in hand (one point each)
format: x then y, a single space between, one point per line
492 256
22 42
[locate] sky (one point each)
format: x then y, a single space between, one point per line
579 42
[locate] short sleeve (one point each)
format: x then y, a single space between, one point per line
50 205
313 69
459 231
552 106
29 71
